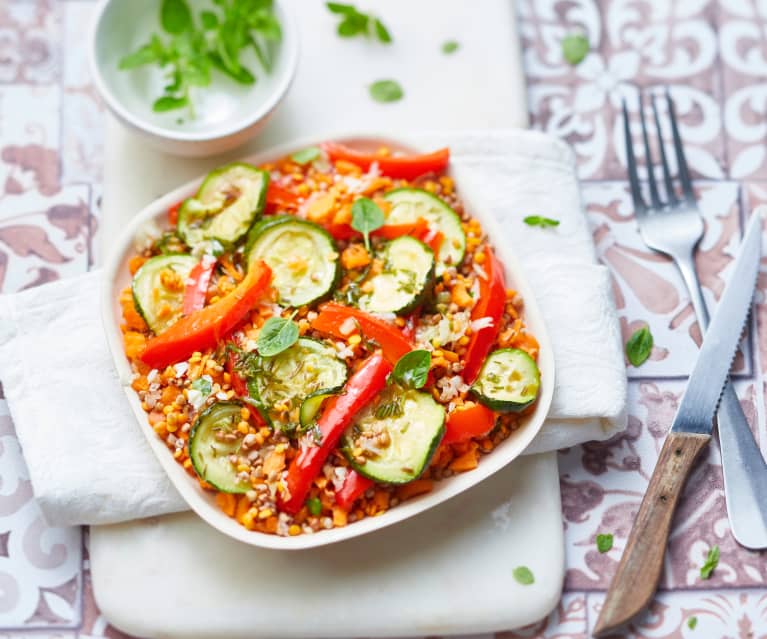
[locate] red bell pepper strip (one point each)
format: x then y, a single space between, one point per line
240 387
432 239
197 284
341 231
204 328
278 197
391 340
339 411
492 300
468 421
352 489
407 167
391 231
173 213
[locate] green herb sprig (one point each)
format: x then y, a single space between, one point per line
575 47
639 346
604 542
277 334
367 217
216 40
523 575
539 220
412 369
386 91
354 23
712 561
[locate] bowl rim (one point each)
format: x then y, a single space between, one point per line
202 503
290 36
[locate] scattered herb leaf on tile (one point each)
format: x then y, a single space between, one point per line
354 23
692 622
539 220
712 560
304 156
451 46
604 542
523 575
575 47
386 91
639 346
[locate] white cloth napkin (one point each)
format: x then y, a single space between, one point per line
90 464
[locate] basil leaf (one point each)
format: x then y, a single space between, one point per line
145 55
412 369
169 103
367 216
639 346
575 47
382 32
175 16
386 91
277 334
337 7
202 384
712 561
692 622
537 220
304 156
451 46
314 506
352 25
604 542
209 20
523 575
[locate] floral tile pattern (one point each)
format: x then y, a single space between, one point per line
711 54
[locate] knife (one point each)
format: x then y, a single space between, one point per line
636 578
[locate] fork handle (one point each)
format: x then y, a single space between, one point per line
743 467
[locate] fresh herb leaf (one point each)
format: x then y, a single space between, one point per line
523 575
538 220
639 346
367 216
304 156
389 409
209 20
575 47
386 91
692 622
277 334
382 32
337 7
169 103
144 55
175 16
451 46
712 561
202 384
314 506
604 542
412 369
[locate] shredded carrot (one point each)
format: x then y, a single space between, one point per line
230 269
468 461
355 256
227 503
135 343
135 263
414 488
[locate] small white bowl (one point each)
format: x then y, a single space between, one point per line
227 114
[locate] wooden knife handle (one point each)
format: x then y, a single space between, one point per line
636 579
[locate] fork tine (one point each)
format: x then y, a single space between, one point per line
684 173
666 173
650 173
636 194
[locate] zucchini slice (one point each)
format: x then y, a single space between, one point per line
508 381
158 289
307 368
410 204
302 255
209 451
311 406
393 439
227 203
405 281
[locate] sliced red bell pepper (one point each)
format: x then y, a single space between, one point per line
341 231
240 387
492 300
392 231
278 197
339 411
465 422
391 340
173 213
204 328
432 239
197 284
352 489
407 167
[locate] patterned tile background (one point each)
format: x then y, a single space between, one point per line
713 56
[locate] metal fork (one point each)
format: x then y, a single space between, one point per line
674 227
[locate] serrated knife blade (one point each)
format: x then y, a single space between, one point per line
638 572
704 388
